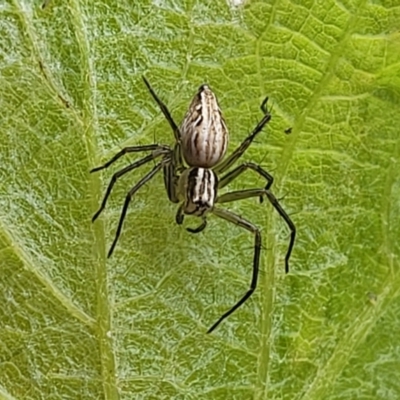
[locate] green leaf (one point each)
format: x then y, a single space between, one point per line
74 324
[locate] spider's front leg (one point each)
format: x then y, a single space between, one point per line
227 215
243 223
245 194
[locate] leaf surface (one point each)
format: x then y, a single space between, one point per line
74 324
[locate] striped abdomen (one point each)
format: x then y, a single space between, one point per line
203 131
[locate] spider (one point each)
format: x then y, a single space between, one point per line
195 170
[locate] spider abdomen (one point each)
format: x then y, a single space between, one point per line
204 133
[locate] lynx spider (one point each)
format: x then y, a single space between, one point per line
191 171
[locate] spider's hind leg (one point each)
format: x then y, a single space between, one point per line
163 109
228 162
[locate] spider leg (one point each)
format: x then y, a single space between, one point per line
170 182
171 178
156 148
179 220
230 176
128 199
179 215
164 110
231 217
263 106
245 194
117 175
226 164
